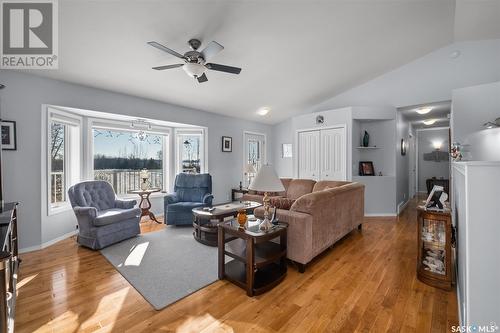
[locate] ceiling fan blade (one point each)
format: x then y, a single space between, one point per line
202 78
211 50
160 68
166 49
223 68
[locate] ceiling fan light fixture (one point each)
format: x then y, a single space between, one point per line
423 110
194 69
429 122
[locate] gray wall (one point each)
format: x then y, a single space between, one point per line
22 100
429 169
403 130
282 133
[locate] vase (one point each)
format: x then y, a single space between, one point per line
366 139
242 218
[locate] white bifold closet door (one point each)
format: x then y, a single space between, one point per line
309 155
333 154
322 154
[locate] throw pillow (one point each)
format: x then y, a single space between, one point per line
282 203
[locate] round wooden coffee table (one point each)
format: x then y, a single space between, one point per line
205 222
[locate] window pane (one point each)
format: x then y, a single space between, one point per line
254 153
190 153
57 172
119 156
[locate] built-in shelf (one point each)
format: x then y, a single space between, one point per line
368 147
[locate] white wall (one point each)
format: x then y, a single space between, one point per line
22 100
471 108
430 78
429 169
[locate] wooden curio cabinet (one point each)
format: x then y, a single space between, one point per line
434 248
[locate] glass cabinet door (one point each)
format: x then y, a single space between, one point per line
433 243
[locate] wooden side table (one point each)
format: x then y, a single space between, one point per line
145 204
235 191
259 263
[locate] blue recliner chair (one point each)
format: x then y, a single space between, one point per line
190 191
102 219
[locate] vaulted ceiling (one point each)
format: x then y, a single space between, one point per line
294 54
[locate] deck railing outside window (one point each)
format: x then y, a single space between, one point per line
127 180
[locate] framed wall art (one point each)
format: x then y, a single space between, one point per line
227 144
9 137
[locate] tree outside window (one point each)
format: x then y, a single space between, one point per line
57 161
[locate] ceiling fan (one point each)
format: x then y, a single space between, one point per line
196 63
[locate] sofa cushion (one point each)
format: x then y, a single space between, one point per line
281 202
113 215
299 187
328 184
184 206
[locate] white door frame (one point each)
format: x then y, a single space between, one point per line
264 160
296 145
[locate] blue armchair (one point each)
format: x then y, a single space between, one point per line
190 191
102 219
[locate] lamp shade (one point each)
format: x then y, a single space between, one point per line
266 180
249 169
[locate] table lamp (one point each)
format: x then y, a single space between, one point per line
266 181
249 171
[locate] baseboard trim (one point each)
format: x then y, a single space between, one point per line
381 215
47 244
402 206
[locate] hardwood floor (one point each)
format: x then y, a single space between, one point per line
365 283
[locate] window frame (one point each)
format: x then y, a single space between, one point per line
124 126
72 155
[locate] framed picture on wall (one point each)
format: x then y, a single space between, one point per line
286 150
9 141
366 168
227 144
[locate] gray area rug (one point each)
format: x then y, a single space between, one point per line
166 265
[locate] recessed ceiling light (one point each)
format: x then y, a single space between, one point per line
455 54
263 111
424 110
429 122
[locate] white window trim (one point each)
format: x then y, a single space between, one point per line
125 126
51 114
203 132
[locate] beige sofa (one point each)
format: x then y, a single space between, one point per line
321 213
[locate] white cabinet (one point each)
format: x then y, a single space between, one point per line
476 211
322 154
